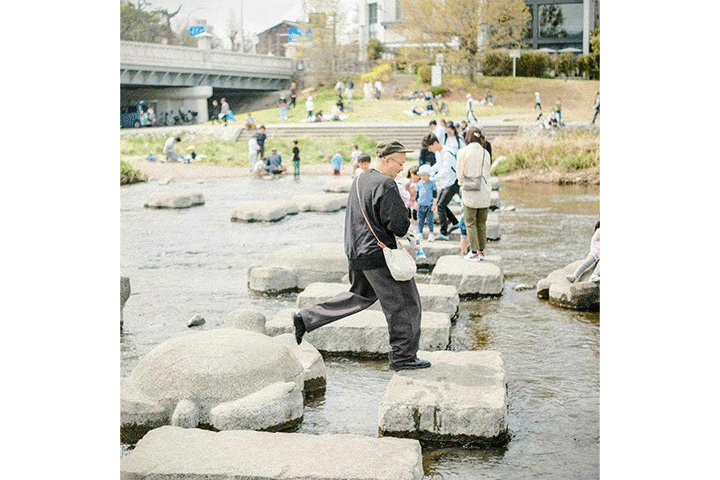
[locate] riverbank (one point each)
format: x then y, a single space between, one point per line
157 171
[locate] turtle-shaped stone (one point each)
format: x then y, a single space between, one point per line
225 379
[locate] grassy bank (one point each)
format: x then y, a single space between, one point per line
512 95
566 153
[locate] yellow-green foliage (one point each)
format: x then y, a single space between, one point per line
379 72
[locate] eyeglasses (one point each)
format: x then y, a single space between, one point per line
394 160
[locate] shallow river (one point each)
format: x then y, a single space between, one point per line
183 262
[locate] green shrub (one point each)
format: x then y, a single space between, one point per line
496 64
533 64
579 162
567 64
425 73
129 174
513 161
440 90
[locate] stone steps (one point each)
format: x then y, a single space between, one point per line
409 134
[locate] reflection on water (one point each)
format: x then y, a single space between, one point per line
183 262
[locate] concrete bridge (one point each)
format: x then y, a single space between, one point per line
186 77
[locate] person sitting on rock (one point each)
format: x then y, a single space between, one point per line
592 258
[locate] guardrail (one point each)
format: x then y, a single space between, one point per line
188 58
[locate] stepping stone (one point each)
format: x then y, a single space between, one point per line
174 200
492 228
462 398
433 251
310 359
294 268
338 185
582 295
263 211
169 453
434 298
229 379
364 333
470 277
321 203
494 200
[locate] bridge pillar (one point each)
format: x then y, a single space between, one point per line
185 98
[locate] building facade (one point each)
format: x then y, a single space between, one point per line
554 24
274 40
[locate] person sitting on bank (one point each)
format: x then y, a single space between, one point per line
250 122
169 149
274 163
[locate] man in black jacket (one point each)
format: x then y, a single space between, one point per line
370 277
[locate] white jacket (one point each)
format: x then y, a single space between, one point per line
470 163
444 170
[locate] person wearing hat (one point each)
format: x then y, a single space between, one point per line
374 195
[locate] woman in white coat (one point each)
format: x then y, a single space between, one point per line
473 174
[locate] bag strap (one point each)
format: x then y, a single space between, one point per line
357 185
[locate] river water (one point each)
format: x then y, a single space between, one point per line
183 262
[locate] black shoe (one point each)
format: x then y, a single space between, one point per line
453 228
299 327
414 365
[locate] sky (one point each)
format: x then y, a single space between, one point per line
257 15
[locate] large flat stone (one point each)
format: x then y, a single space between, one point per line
582 295
364 333
269 211
175 453
338 185
174 200
324 202
461 399
470 277
256 380
434 298
296 267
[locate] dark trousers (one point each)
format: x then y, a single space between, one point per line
444 212
400 302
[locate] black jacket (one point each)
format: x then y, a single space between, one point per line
386 212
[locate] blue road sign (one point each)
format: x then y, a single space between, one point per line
194 31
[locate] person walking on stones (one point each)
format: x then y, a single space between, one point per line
446 181
296 158
538 105
453 141
592 258
374 196
473 173
426 156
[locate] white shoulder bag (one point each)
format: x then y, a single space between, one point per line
400 263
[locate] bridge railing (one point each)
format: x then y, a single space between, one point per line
189 58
